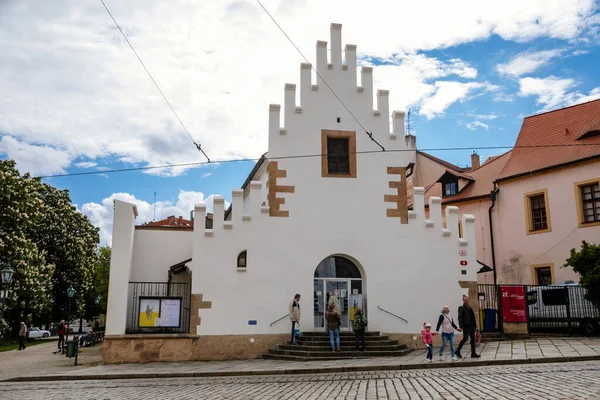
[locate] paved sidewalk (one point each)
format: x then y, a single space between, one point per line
542 350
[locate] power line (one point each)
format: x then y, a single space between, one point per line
192 164
369 134
154 81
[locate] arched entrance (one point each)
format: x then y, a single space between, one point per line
337 276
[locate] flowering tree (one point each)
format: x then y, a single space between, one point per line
49 245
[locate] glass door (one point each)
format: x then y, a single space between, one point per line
340 290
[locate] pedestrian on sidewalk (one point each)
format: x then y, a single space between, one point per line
359 324
294 314
22 335
446 322
333 326
62 328
468 323
427 336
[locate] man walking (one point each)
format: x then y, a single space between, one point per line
468 323
22 336
294 315
62 328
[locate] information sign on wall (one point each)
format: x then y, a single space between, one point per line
159 312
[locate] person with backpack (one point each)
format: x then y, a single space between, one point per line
446 322
333 326
359 325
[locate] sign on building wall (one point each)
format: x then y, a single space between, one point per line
513 304
159 312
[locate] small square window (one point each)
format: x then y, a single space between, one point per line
537 212
450 188
590 202
338 150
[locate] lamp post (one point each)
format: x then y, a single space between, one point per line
70 292
5 277
97 301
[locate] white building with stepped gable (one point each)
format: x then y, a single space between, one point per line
318 225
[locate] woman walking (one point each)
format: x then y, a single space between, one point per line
333 326
446 322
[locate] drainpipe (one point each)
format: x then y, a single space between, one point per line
493 195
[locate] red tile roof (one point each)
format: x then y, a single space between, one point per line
442 162
482 181
561 131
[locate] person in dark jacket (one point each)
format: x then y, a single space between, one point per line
359 324
333 326
468 323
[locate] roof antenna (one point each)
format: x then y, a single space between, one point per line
154 217
408 127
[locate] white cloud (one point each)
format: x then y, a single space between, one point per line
35 159
72 85
528 62
206 175
501 97
86 164
473 126
448 93
553 92
101 215
580 52
483 116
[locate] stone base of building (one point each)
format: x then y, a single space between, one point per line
182 347
515 328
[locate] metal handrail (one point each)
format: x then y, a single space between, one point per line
386 311
274 322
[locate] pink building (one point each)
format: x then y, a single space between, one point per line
541 199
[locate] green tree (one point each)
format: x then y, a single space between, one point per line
586 262
21 210
100 284
48 243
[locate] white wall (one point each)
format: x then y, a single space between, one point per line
411 270
120 267
154 251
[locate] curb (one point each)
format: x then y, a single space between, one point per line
300 371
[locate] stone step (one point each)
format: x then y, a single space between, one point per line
312 355
345 341
342 333
299 359
344 346
342 337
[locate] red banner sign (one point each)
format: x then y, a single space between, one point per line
513 304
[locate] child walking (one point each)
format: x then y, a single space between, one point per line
427 336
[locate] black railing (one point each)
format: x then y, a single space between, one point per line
274 322
392 314
148 302
490 308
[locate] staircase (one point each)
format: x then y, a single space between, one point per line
316 346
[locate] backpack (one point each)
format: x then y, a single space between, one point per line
359 322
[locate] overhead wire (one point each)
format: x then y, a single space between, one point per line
198 146
369 134
298 156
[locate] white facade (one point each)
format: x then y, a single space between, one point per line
408 269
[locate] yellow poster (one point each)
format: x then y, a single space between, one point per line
149 312
355 302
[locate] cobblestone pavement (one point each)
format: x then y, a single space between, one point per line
577 380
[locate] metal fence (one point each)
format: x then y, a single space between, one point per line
489 308
148 307
550 310
561 310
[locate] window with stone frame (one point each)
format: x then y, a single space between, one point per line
338 150
537 208
590 202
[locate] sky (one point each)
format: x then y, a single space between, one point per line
74 97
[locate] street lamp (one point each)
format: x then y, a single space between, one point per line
5 277
70 292
97 301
